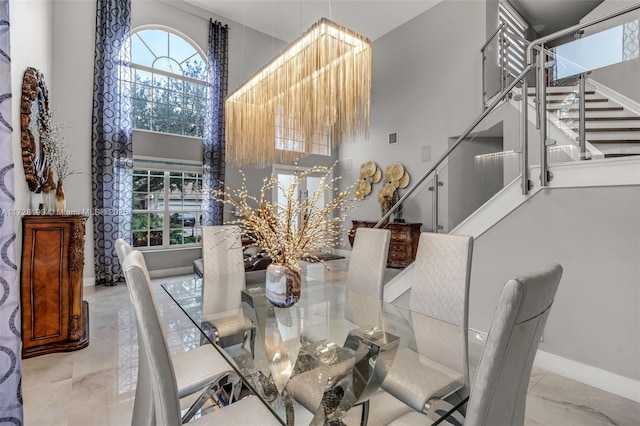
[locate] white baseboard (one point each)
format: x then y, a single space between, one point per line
160 273
592 376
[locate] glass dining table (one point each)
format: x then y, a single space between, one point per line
331 351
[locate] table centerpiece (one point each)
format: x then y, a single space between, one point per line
290 230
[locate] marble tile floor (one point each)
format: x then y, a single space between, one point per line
96 385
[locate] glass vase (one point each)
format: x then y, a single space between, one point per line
61 202
282 285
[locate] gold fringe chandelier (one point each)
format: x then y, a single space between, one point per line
318 87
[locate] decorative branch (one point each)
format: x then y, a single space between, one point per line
57 151
297 228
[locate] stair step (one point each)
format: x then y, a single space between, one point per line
618 154
612 129
626 118
611 141
565 90
588 100
589 108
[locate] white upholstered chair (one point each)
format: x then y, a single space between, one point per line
224 280
498 396
162 377
437 367
196 370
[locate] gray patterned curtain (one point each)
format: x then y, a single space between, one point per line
213 141
111 151
10 342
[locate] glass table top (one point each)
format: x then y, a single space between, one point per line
331 350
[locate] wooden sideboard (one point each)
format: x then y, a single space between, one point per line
404 240
54 316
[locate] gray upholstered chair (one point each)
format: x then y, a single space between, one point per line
162 377
224 279
365 276
368 261
196 370
498 396
440 289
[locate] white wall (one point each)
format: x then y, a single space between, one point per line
426 87
31 46
594 234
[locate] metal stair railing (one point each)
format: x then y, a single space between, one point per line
540 63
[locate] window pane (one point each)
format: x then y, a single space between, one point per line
176 85
140 239
180 49
157 40
159 124
160 95
195 68
140 53
160 110
168 65
160 81
144 77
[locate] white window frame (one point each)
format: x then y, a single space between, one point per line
185 79
167 167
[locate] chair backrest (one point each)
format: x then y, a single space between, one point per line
440 286
223 268
440 289
499 392
143 410
123 248
369 261
162 377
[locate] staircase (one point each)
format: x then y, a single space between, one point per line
613 130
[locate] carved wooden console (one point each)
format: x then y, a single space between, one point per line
54 316
404 241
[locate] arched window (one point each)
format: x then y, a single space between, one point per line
169 91
169 83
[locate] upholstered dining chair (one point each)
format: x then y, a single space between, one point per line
365 276
162 377
368 261
498 396
440 289
196 370
224 280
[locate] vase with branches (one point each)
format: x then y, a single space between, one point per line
58 157
290 230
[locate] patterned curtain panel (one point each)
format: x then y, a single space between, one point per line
10 344
112 154
213 141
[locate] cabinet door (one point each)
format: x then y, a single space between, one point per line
45 279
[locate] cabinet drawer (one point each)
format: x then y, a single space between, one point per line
400 236
397 256
400 247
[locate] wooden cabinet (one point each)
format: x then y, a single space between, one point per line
54 316
404 240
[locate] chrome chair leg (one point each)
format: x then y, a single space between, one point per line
364 419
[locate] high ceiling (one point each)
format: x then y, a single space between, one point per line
288 19
549 16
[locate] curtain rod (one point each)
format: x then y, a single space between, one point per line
166 3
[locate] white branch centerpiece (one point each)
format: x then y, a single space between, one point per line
292 230
58 156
